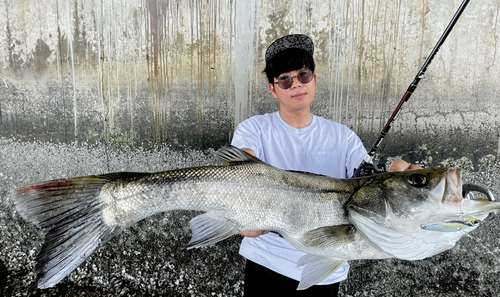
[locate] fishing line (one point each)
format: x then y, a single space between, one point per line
494 255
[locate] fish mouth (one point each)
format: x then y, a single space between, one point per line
449 189
453 186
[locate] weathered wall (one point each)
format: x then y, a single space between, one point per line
186 72
98 86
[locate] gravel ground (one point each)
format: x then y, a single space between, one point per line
149 258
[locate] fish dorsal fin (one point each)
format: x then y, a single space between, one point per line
330 236
208 230
317 269
232 155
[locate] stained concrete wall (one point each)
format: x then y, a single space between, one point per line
103 86
186 72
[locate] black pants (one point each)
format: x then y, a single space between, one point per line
262 282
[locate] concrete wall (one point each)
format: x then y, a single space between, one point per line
186 72
90 87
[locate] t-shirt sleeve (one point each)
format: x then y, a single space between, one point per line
248 135
355 153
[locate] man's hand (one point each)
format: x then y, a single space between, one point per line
401 165
254 233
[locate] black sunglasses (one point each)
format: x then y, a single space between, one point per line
286 81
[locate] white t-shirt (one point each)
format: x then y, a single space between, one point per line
323 147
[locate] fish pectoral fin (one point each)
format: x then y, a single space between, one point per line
208 230
329 236
317 269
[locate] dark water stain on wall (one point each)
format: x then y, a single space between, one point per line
167 63
40 55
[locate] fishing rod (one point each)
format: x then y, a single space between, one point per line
367 167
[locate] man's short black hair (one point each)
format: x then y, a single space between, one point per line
288 60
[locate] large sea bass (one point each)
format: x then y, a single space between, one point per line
403 215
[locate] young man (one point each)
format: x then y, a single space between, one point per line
294 139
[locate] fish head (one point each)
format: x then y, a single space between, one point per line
400 212
409 197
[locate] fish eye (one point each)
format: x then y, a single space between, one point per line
418 180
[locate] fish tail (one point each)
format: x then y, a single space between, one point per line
69 211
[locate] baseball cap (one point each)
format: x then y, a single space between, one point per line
299 41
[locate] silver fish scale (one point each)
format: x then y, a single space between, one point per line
253 195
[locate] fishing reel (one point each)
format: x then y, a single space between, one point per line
367 169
